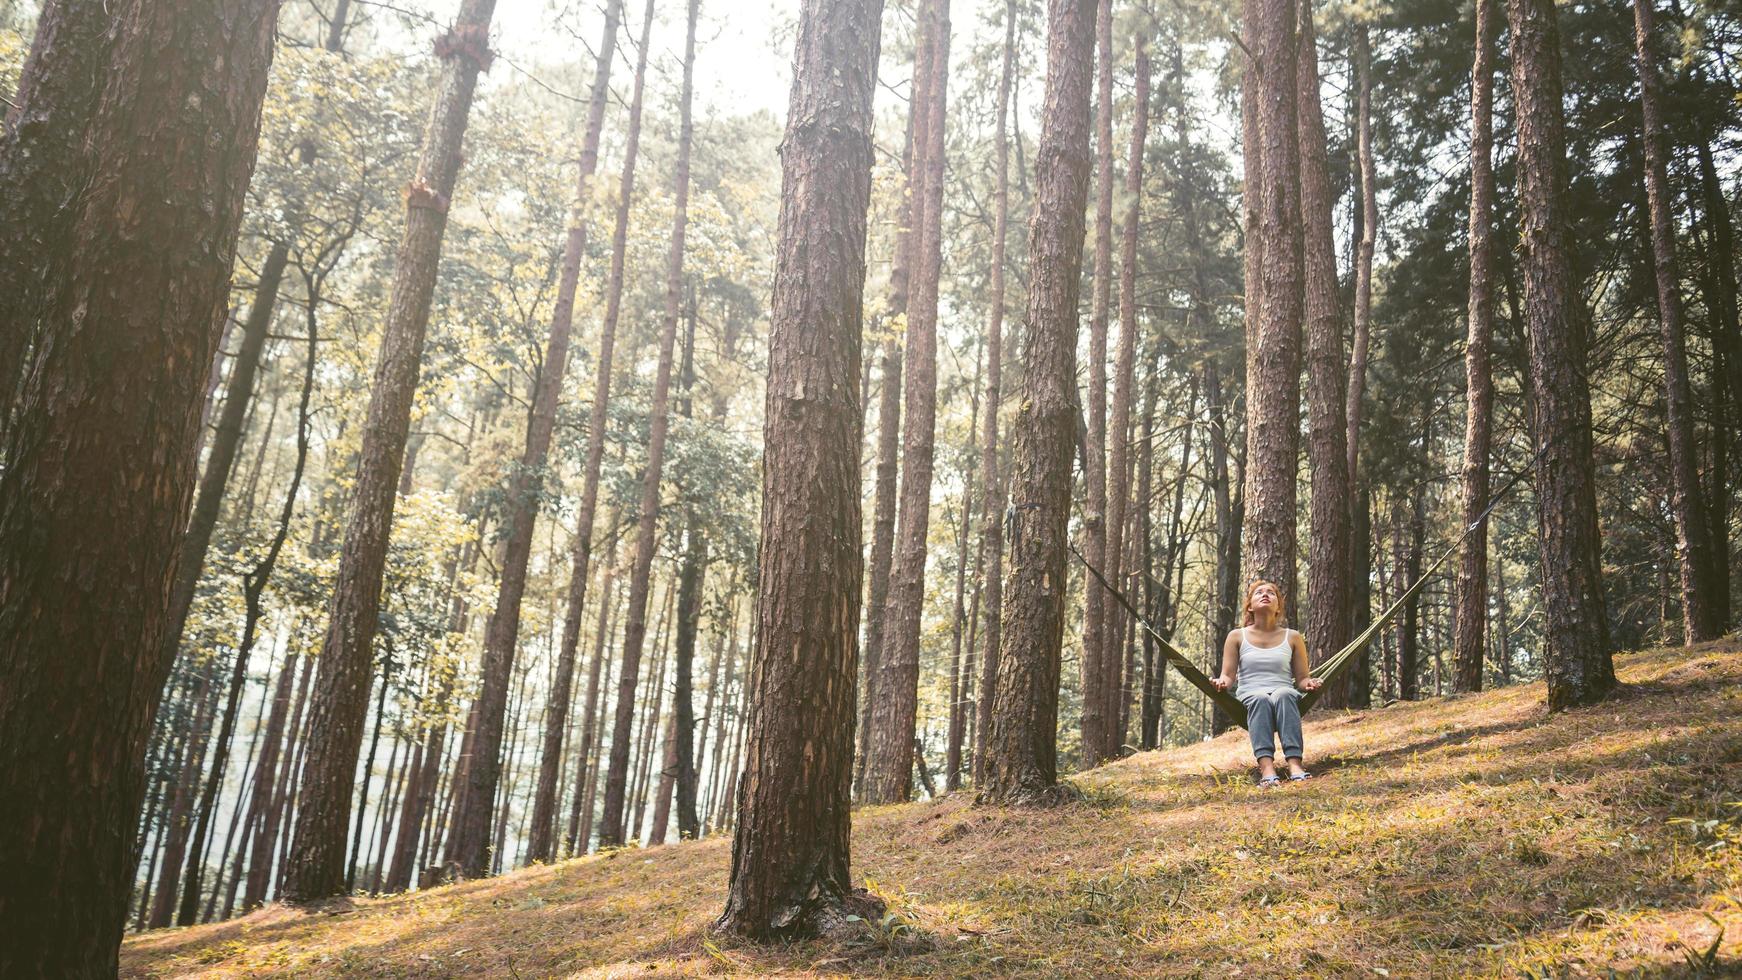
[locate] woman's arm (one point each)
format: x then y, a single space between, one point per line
1230 661
1303 677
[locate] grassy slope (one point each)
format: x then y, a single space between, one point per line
1457 836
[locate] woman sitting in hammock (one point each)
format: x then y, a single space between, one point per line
1266 664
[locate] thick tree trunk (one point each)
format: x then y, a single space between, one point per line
992 482
889 773
1701 614
789 858
1273 351
1472 581
611 829
540 845
1100 654
1022 750
45 161
1124 379
88 548
316 865
1577 659
1327 598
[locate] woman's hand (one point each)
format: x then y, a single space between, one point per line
1222 682
1311 684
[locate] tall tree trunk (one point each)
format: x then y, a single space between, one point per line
1327 598
588 784
992 482
317 860
789 858
1022 751
1099 652
263 795
1124 379
87 547
1472 581
1367 229
686 752
1273 349
540 846
1577 659
1720 288
576 843
238 397
611 830
889 773
1694 544
1409 638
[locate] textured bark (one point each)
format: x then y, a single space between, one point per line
1099 654
1273 348
790 855
1694 542
45 160
692 578
992 482
1472 580
888 773
130 315
316 864
1327 597
1124 380
611 830
540 844
1022 751
1577 658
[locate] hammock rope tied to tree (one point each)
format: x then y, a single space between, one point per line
1332 667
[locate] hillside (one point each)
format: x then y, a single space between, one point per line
1469 835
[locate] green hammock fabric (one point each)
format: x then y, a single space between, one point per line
1333 666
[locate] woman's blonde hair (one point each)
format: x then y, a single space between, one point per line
1281 602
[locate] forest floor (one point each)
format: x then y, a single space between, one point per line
1457 836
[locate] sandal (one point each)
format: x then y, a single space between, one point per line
1300 778
1270 782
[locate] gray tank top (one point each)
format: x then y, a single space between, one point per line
1264 669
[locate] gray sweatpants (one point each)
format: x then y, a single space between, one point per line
1270 715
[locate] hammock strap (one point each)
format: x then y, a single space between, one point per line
1333 666
1227 702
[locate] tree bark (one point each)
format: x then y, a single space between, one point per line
1701 616
789 858
87 547
611 829
1367 228
992 482
1327 598
576 843
1098 660
1577 658
889 773
1469 641
1022 751
540 845
45 161
1124 380
1273 350
958 727
316 865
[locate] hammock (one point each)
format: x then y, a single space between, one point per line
1332 667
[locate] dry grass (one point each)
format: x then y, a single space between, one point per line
1460 836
